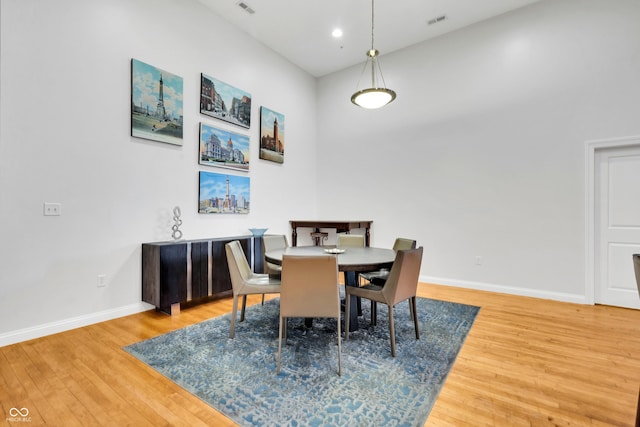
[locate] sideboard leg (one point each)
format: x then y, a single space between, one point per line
175 309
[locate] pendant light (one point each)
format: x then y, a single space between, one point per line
375 96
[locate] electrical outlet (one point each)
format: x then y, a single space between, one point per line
102 280
478 260
52 209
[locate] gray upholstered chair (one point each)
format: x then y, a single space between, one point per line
309 289
269 243
350 241
381 275
401 285
244 281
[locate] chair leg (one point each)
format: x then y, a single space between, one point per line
234 313
339 348
414 313
374 313
244 305
359 305
392 332
262 299
347 312
282 324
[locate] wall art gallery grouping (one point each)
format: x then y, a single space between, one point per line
157 114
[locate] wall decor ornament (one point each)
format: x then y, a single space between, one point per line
223 194
156 104
271 135
176 233
219 147
224 102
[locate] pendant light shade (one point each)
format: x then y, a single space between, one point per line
375 96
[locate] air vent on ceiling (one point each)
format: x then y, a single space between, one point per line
437 19
246 7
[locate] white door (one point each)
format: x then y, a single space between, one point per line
617 223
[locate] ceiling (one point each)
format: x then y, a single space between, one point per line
300 30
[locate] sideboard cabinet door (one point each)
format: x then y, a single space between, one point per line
199 270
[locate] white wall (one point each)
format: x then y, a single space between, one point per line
482 153
65 137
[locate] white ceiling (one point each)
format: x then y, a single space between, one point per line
300 30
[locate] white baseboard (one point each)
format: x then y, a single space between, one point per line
38 331
525 292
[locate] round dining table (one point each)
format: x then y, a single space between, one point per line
350 261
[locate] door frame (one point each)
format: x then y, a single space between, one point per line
591 147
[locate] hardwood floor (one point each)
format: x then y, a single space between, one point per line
526 362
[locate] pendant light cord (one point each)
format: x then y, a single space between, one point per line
372 21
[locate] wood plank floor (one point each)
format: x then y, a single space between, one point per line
526 362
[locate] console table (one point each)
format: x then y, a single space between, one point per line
340 226
190 271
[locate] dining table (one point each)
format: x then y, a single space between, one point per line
351 261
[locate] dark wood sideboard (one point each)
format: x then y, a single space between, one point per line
190 271
340 226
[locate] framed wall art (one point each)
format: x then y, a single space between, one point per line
223 194
219 147
271 135
224 102
156 104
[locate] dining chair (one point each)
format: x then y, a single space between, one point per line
401 285
309 289
381 275
270 243
350 241
244 281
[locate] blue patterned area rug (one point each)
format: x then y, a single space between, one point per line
238 376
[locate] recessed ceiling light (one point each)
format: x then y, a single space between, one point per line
337 33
